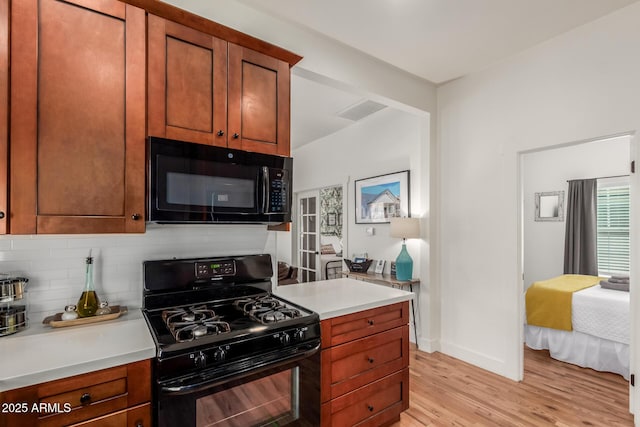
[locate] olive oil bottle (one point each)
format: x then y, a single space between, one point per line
88 302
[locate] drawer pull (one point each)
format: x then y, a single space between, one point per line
370 408
139 424
370 359
370 321
85 398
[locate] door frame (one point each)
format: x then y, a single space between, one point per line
634 194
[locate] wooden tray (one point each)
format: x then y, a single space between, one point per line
56 321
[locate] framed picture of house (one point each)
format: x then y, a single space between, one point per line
380 198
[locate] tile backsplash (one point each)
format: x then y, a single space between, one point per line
55 264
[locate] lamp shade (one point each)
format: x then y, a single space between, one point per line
405 228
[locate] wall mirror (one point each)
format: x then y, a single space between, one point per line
550 206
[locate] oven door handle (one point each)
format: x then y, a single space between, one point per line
209 383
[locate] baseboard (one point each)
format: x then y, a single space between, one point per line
480 360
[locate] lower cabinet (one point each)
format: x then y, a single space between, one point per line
118 396
365 367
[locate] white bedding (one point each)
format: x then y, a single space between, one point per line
600 336
603 313
580 349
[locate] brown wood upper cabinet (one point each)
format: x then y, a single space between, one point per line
206 90
77 117
259 102
4 112
187 84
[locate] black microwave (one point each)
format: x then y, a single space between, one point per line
195 183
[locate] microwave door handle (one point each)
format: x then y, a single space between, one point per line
265 189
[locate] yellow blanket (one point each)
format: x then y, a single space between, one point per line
549 301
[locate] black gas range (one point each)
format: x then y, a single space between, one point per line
219 334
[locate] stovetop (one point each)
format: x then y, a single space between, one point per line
210 323
218 314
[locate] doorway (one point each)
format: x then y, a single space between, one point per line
331 232
542 242
308 236
320 229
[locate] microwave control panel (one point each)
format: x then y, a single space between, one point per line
278 191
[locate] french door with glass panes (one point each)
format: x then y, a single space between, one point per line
308 237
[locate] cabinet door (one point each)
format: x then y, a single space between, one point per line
77 117
259 102
4 111
187 84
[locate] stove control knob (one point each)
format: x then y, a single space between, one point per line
219 354
285 338
200 359
299 334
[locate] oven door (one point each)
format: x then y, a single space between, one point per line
285 394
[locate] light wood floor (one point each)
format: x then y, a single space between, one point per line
446 391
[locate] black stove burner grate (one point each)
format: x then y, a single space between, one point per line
188 324
266 309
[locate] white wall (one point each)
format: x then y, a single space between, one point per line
385 142
578 86
55 265
549 170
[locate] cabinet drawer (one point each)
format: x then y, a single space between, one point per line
81 397
352 365
350 327
140 416
373 405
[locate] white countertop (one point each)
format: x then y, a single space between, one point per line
337 297
41 353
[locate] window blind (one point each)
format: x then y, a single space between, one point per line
613 227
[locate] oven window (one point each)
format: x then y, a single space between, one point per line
268 401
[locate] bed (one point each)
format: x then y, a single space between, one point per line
598 336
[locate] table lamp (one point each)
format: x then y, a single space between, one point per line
405 228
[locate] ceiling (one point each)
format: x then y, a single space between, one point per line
438 40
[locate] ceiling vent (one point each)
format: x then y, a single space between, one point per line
360 110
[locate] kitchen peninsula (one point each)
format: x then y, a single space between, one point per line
365 348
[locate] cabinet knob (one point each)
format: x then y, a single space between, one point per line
1 215
236 136
370 408
371 359
85 398
135 216
139 424
370 322
220 133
